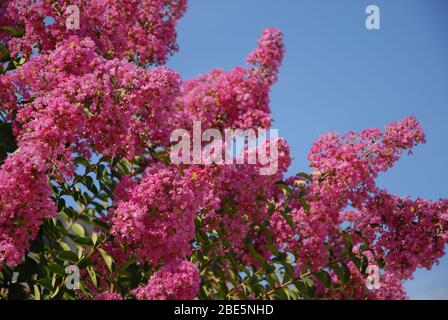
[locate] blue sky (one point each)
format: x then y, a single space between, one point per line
337 75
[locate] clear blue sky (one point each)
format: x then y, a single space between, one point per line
337 75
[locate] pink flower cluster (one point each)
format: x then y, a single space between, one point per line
178 280
25 201
5 20
345 171
77 101
390 287
243 192
106 295
407 234
142 31
157 219
74 100
7 98
238 98
268 56
81 101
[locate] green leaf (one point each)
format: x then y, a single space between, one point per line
101 224
305 175
36 292
290 294
68 256
86 242
255 254
324 277
16 33
94 238
57 269
306 286
46 283
347 239
364 264
61 204
78 229
311 286
7 140
64 245
91 185
342 271
70 212
305 204
11 66
4 53
228 208
289 269
303 289
288 218
346 272
357 261
270 269
281 295
273 279
55 293
83 161
107 258
83 263
92 275
100 170
286 188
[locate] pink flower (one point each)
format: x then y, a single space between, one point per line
157 220
269 54
25 201
178 280
108 296
82 102
238 98
143 31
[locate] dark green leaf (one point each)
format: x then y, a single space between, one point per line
305 175
324 277
57 269
68 255
46 283
82 241
286 188
16 33
305 204
4 53
342 271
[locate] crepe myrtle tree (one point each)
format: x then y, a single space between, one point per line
91 207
